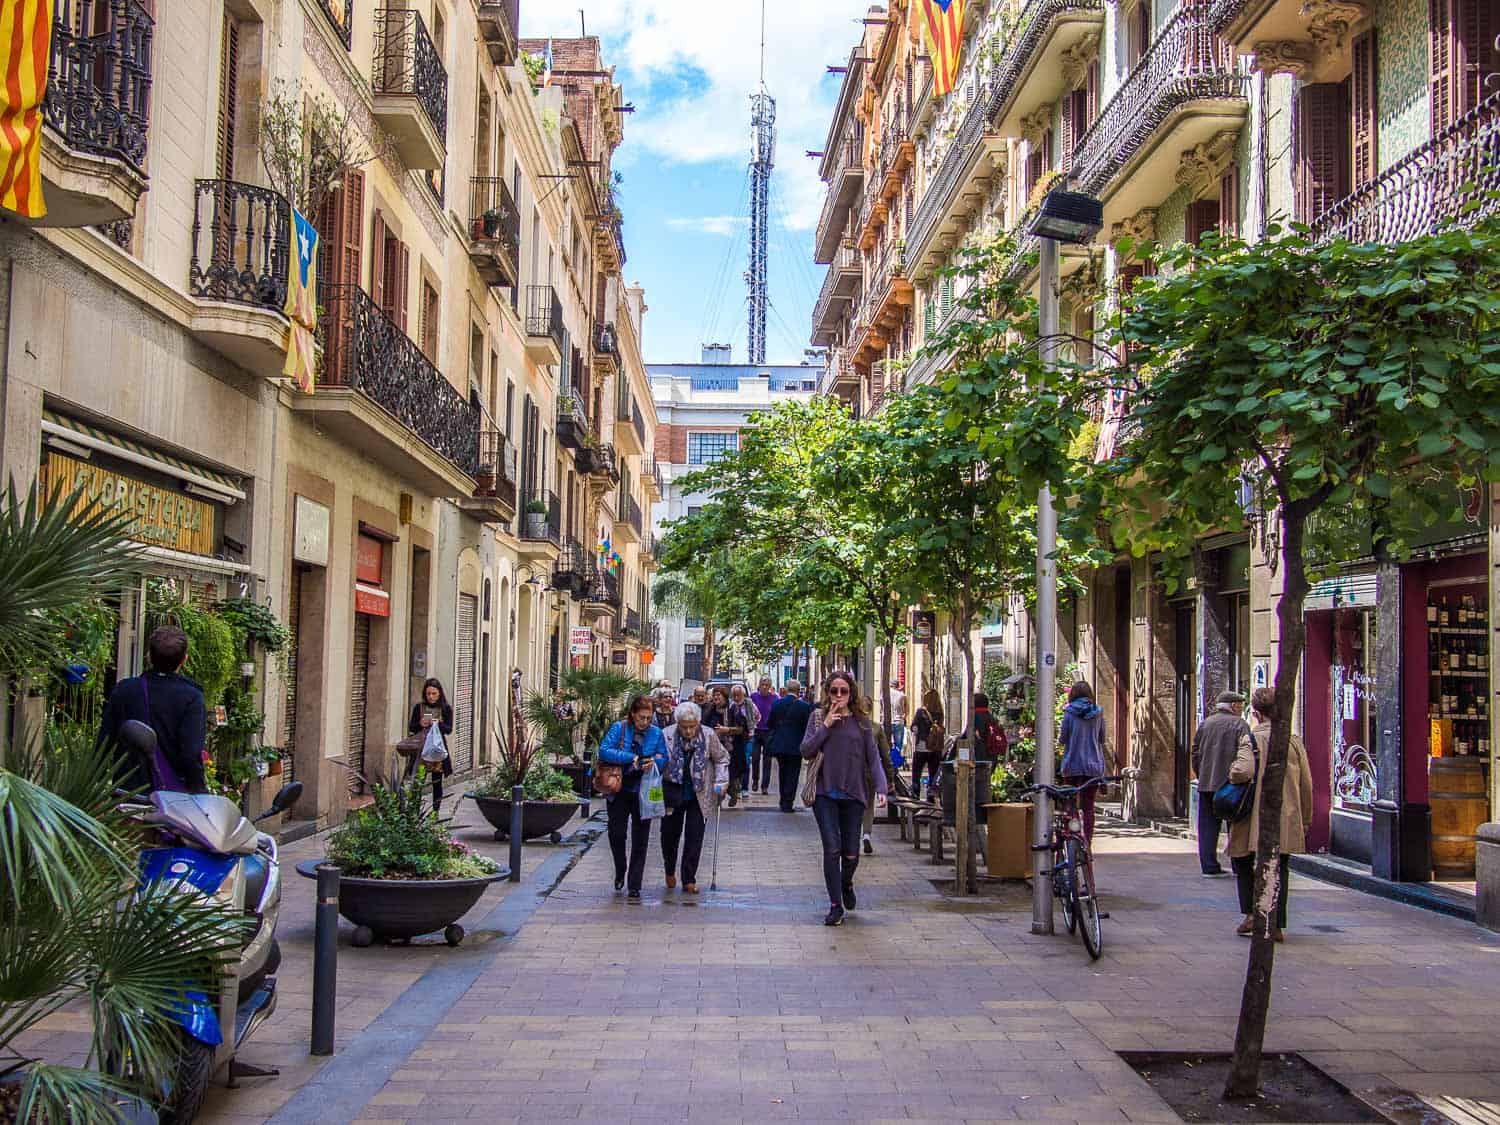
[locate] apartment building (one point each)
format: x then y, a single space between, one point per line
1364 120
406 516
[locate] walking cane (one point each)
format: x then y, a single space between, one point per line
713 878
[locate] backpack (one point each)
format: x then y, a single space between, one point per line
936 738
996 745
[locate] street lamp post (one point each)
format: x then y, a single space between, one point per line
1064 216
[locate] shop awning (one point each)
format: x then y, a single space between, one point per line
74 432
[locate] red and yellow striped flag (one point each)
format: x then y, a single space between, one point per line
944 20
25 42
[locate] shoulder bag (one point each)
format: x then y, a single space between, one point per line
1234 799
810 782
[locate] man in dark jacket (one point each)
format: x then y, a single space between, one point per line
170 704
788 723
1218 739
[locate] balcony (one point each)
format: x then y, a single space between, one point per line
874 210
572 422
839 289
630 427
574 571
544 326
340 14
598 461
499 27
541 525
1183 92
238 273
897 151
1452 180
651 635
630 627
602 598
381 395
606 348
629 526
886 304
651 477
410 88
648 549
494 231
93 151
839 376
957 190
494 499
1032 71
843 191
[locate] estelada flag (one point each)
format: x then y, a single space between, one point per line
302 304
944 20
25 43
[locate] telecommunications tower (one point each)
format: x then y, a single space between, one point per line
762 159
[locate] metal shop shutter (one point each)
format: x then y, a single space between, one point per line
359 681
463 689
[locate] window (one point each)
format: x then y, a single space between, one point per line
692 662
1322 135
1461 56
389 268
1202 217
427 327
704 449
691 622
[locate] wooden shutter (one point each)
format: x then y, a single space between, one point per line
1142 30
229 80
401 259
1364 112
1322 166
427 322
340 234
379 277
1091 94
352 224
1083 331
1202 217
1068 138
1229 202
1476 23
1441 72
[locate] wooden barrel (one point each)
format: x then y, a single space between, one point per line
1456 795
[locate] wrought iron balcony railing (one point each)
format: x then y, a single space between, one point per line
598 460
606 340
942 190
574 569
544 314
364 350
497 461
340 14
544 526
835 291
1032 27
1185 63
604 589
99 81
493 216
572 422
836 200
630 512
1453 179
241 244
651 635
406 62
650 467
631 627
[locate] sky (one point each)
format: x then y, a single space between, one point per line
689 67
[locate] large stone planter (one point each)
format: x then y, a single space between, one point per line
401 909
538 818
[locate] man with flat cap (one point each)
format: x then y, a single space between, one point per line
1220 737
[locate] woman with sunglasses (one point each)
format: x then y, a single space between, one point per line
842 731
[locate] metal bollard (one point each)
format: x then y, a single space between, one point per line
325 959
517 803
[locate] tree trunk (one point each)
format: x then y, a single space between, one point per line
1255 1000
708 649
885 681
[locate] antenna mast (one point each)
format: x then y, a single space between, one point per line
762 159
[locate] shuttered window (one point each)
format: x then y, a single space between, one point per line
340 226
229 81
1202 217
1075 122
1461 55
1083 333
1364 112
1229 202
390 266
1322 141
427 322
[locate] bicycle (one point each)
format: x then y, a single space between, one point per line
1072 867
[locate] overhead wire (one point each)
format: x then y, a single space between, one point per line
717 290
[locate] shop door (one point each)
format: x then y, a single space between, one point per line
289 707
359 681
1185 721
463 687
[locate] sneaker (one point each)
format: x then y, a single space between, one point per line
619 884
850 902
869 847
835 916
1216 873
634 896
734 799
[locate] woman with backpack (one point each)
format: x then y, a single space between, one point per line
930 735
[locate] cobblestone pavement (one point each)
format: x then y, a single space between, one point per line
739 1005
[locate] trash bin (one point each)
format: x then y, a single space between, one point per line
982 771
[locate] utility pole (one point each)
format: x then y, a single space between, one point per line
1046 621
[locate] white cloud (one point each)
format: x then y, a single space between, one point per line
722 226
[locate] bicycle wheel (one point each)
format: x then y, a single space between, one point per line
1062 887
1087 900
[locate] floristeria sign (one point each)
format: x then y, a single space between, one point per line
162 517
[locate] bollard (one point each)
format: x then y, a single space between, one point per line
517 808
325 959
964 881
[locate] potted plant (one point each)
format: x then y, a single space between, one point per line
549 801
588 701
536 519
402 873
484 479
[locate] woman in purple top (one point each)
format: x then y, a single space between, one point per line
842 730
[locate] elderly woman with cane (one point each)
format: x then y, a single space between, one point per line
696 774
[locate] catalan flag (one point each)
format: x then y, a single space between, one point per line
302 304
944 20
25 43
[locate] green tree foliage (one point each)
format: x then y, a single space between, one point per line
1322 374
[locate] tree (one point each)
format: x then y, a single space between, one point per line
308 142
690 593
1323 373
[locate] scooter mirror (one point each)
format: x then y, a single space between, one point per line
290 793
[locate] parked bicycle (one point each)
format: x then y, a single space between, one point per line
1072 868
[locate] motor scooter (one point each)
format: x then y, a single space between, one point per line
207 846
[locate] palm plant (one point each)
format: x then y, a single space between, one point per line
72 928
690 594
597 696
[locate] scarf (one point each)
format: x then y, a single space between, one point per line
697 747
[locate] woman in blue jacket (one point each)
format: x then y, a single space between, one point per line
1082 739
633 743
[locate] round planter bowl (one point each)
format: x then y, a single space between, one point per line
401 909
538 818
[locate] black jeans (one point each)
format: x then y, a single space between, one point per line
788 774
1244 875
760 762
625 813
1208 835
932 761
685 818
839 821
739 768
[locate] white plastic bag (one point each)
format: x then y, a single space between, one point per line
433 750
653 798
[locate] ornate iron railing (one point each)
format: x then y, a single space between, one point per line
607 340
851 153
631 628
844 263
544 526
942 189
1451 180
1031 28
492 213
630 512
498 456
604 589
500 25
544 314
651 635
364 350
340 14
650 467
1186 62
574 569
241 244
99 78
406 62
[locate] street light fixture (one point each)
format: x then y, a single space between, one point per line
1074 218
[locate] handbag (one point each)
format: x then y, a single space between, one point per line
411 745
810 783
608 778
1233 800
